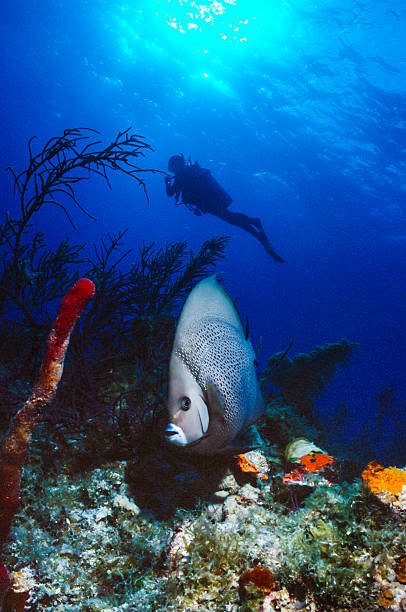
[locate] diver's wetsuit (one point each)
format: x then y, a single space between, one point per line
203 194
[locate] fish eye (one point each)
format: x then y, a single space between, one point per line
185 403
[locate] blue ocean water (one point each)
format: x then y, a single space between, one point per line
298 108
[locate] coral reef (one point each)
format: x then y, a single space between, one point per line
93 545
86 542
172 532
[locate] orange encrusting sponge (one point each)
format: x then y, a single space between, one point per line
384 480
315 461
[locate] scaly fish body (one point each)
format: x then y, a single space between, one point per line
213 390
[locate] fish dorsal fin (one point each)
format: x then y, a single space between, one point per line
258 349
208 299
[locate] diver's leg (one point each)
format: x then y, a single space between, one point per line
257 222
240 220
250 224
246 223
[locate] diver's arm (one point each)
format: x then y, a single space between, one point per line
170 185
172 188
194 209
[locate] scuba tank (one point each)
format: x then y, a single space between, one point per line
206 185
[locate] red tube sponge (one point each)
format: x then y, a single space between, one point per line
69 311
18 438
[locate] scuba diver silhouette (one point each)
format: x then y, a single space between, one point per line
201 193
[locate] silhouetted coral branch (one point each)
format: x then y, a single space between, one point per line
302 380
33 275
39 276
53 171
162 266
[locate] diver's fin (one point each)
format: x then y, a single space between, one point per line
248 439
262 237
273 253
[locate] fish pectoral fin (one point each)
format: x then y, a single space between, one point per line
215 406
248 439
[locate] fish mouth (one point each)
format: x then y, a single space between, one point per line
175 435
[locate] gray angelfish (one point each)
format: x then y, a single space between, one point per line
214 394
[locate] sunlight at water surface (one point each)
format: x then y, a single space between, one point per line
233 21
